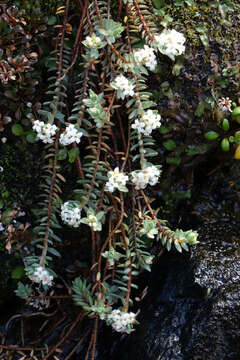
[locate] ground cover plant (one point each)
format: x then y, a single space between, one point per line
80 115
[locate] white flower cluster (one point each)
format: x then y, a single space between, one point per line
124 85
146 56
116 180
122 321
149 175
93 41
70 135
149 121
170 43
44 131
41 275
71 214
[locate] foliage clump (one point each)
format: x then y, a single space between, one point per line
94 127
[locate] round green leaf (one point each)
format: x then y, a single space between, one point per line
17 130
31 138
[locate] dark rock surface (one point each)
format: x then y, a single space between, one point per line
192 311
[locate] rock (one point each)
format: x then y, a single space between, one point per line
192 311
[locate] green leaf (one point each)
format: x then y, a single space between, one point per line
23 291
164 129
178 246
211 135
158 4
236 111
225 145
173 160
18 272
200 109
73 155
225 124
50 117
62 154
169 144
54 252
17 130
60 116
189 2
197 149
31 138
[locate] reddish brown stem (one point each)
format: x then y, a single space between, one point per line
146 28
79 317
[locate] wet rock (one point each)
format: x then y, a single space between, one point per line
192 311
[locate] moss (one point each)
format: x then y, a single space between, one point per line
210 67
21 171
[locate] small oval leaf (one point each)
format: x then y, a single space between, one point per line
225 125
211 135
225 145
236 111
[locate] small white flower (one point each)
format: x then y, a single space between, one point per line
146 56
41 275
71 214
124 86
149 175
70 135
4 140
93 42
153 174
1 227
1 169
38 125
170 43
46 278
122 321
92 220
225 104
149 121
44 131
116 180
